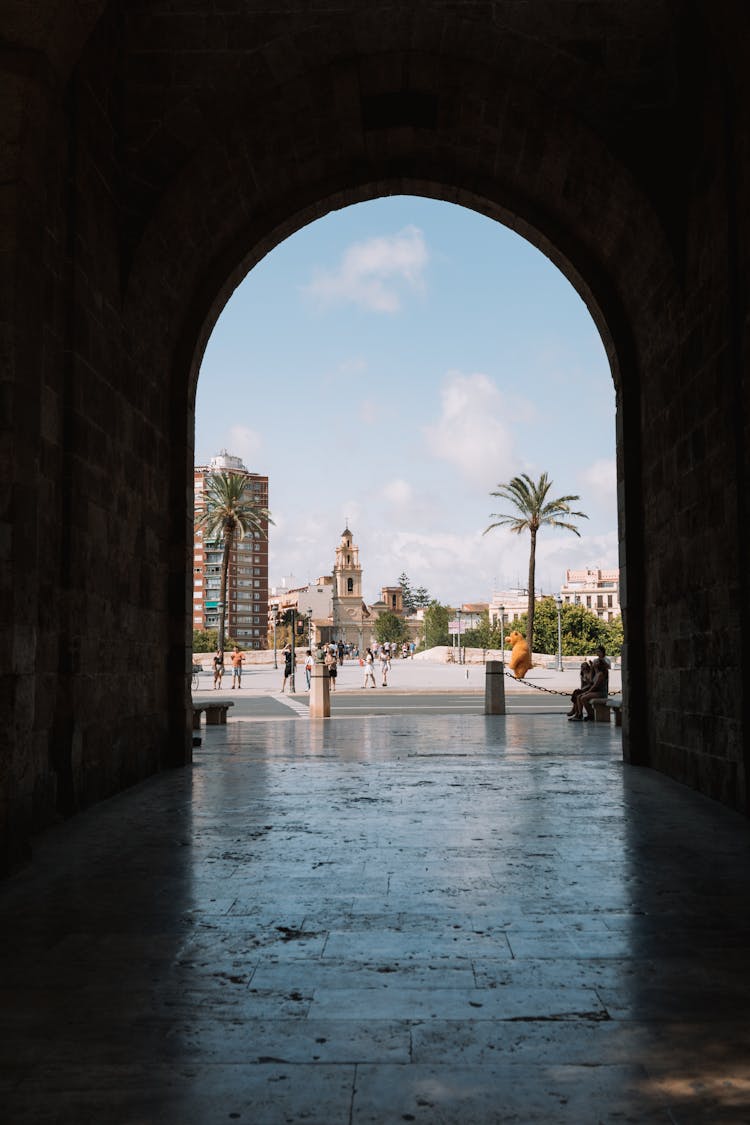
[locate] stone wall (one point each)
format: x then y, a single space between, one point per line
153 153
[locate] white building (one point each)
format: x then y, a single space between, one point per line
597 590
511 604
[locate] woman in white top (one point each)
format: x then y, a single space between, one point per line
385 664
370 668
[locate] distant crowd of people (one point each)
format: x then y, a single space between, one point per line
334 656
594 674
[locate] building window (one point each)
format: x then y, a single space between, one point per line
350 585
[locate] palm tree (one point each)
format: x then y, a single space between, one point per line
533 510
229 513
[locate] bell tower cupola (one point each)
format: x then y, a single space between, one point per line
347 573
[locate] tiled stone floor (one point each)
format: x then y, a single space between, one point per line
364 921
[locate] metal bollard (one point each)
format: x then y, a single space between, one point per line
320 693
494 688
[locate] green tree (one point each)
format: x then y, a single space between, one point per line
533 511
406 593
207 640
616 637
581 629
390 627
436 618
413 599
204 640
483 635
229 514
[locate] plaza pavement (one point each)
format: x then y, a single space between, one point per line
406 676
447 919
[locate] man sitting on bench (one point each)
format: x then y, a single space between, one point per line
599 688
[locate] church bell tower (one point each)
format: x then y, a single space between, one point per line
348 611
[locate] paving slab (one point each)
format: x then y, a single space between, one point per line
441 919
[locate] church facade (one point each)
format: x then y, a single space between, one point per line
336 603
351 620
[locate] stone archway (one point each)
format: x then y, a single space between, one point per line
602 296
157 153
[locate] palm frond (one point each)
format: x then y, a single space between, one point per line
228 507
568 526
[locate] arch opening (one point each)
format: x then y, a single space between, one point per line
410 246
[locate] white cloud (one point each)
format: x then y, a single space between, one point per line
245 443
373 273
474 431
398 493
558 551
600 479
306 544
443 562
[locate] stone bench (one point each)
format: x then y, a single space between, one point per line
216 714
603 707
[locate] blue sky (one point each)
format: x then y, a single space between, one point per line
392 363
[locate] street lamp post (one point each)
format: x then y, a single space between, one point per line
221 632
458 617
502 630
274 619
292 686
309 628
558 603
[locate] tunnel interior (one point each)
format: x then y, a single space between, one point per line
154 154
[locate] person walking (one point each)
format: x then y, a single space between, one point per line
342 652
369 668
287 654
218 663
331 663
385 664
237 658
308 667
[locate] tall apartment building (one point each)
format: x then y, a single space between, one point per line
597 590
247 585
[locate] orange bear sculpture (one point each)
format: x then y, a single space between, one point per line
520 656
